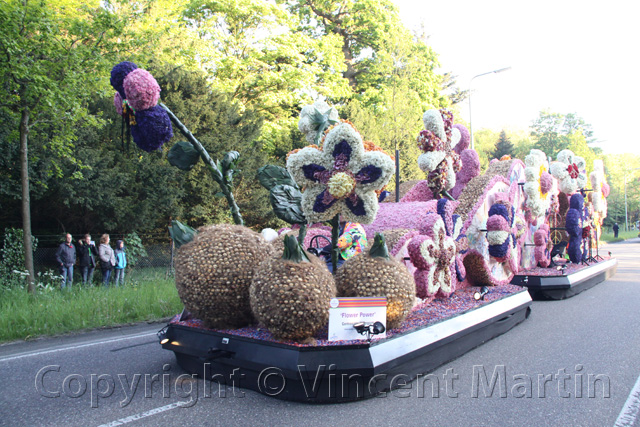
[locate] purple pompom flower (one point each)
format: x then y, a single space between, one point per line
142 90
152 129
119 73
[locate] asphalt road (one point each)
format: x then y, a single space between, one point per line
587 348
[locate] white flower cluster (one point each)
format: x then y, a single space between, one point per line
569 164
597 177
307 125
536 163
430 160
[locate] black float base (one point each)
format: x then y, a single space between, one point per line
328 374
566 286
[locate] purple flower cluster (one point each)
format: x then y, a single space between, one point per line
136 100
573 226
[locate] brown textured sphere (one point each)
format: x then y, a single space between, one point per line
214 272
366 276
292 299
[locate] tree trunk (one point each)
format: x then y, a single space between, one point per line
26 203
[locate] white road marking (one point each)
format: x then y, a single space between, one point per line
631 409
74 347
146 414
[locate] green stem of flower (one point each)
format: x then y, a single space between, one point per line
215 172
335 235
302 234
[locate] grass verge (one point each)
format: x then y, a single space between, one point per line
622 235
146 298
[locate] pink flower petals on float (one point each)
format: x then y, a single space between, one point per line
117 102
538 182
143 91
434 257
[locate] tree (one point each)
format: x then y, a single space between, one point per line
370 34
504 147
50 55
552 131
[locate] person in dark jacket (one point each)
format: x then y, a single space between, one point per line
66 257
87 254
107 259
615 230
121 262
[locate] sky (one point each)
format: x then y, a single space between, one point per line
566 56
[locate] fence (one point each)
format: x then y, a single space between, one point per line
157 261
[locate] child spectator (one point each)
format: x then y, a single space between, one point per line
121 262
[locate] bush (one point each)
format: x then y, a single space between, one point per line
12 270
134 247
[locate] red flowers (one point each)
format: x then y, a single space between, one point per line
573 170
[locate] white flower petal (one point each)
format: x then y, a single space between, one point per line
429 161
344 132
306 156
432 120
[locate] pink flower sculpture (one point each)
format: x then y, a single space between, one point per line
143 91
434 257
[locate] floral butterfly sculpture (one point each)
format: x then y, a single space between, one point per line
434 256
453 227
439 161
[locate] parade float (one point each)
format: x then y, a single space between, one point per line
359 296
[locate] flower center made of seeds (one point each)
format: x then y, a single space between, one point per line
341 185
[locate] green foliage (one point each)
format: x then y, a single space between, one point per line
554 132
134 247
504 146
12 258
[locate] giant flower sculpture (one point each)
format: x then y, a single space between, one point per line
136 100
341 178
439 161
569 170
538 182
434 256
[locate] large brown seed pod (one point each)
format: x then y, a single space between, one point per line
372 274
290 295
214 272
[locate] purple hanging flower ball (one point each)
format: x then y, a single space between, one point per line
152 128
142 90
119 73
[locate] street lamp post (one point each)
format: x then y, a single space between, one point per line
470 81
626 216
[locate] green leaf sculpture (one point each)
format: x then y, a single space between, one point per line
183 156
180 233
286 202
272 175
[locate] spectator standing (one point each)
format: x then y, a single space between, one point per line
66 257
615 230
121 262
107 259
87 254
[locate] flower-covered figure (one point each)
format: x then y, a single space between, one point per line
439 161
538 182
574 224
341 178
434 256
570 172
541 251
